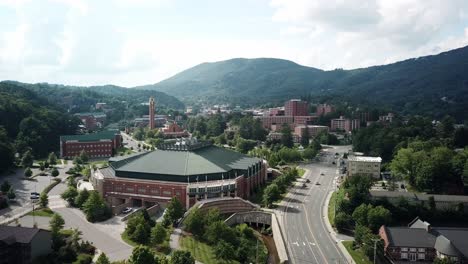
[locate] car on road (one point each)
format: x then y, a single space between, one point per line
127 210
34 196
322 174
317 183
304 185
307 180
334 163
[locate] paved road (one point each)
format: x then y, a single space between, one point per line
307 238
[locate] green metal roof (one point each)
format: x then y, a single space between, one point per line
108 134
167 163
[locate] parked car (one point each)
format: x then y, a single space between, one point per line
317 183
34 196
322 174
127 210
307 180
304 185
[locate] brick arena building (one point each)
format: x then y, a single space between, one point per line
188 170
96 145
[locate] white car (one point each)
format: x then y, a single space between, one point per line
127 210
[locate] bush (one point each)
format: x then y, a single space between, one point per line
83 259
342 221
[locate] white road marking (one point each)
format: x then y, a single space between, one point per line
303 243
295 243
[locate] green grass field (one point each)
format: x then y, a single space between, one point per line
357 255
301 172
128 240
331 209
201 251
42 212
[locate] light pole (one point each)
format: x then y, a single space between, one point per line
375 248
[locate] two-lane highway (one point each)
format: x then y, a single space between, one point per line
308 240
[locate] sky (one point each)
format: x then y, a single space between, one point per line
137 42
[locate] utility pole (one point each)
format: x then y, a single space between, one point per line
375 249
256 253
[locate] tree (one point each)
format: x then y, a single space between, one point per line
70 195
84 156
432 203
27 172
305 138
286 136
182 257
95 208
56 224
444 261
309 153
5 187
360 214
11 194
224 251
52 159
194 222
44 199
342 221
141 234
174 210
27 159
245 145
55 172
378 216
103 259
360 233
158 234
81 198
41 166
271 194
142 255
46 164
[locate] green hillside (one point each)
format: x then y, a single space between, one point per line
434 85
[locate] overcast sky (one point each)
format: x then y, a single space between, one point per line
136 42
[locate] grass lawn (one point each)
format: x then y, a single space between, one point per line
42 212
99 163
331 209
357 255
127 240
301 172
66 232
200 251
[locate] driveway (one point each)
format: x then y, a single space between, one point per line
105 235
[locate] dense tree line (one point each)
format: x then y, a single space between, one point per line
29 122
229 243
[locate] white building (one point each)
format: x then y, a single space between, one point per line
364 165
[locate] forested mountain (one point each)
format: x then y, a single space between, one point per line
29 121
432 85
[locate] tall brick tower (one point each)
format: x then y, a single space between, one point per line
151 112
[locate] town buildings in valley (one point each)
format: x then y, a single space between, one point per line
92 121
187 169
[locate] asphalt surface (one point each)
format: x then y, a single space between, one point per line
307 238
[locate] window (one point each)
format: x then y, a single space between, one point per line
421 256
421 250
404 249
404 256
118 188
167 193
141 190
412 250
154 191
130 189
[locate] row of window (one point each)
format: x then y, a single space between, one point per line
413 256
144 191
90 146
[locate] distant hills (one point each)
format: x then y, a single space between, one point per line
432 85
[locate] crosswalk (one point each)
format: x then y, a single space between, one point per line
55 201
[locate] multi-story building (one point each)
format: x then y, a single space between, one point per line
188 170
96 145
277 111
92 121
387 118
421 242
278 121
313 130
278 135
296 107
23 244
344 124
364 166
173 130
323 109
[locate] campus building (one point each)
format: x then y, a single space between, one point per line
296 107
92 121
187 169
344 124
364 166
96 145
23 244
312 130
173 130
324 109
419 241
